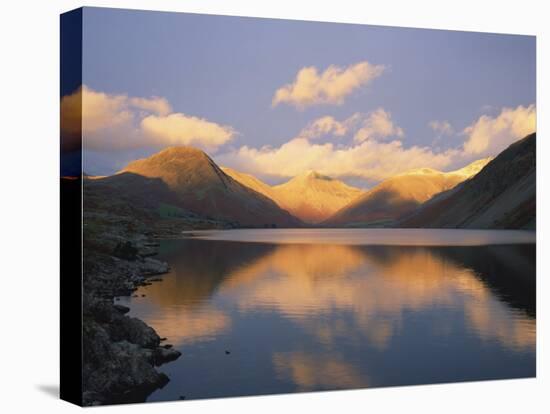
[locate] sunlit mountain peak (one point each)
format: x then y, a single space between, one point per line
473 168
310 196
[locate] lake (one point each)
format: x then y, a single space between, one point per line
278 311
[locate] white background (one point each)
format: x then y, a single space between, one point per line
29 242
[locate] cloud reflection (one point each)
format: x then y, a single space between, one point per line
375 286
315 372
186 325
359 298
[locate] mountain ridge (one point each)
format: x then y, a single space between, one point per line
310 196
400 195
187 179
197 184
502 195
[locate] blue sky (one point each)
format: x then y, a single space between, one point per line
226 71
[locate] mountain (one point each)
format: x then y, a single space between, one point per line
400 195
252 182
187 178
312 197
501 195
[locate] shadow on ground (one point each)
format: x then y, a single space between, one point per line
50 389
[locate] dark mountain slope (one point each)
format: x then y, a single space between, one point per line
400 195
501 196
195 183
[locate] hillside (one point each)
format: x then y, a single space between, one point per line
502 195
312 197
400 195
186 178
252 182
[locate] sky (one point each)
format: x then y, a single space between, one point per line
276 98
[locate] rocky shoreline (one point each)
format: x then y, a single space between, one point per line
121 353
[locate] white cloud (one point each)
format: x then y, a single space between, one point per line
378 124
490 135
329 87
371 157
441 127
180 129
375 125
324 126
367 146
111 122
103 111
370 160
155 104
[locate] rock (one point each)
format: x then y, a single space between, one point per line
100 309
134 331
162 355
116 371
163 339
150 267
126 250
168 346
119 352
134 377
148 252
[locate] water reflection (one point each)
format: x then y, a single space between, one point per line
342 316
375 285
317 372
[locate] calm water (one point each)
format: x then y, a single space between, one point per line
305 310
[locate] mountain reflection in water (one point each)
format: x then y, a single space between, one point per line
300 317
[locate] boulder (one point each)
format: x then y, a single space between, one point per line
125 376
151 267
126 250
162 355
134 331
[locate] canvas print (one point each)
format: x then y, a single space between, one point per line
260 206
